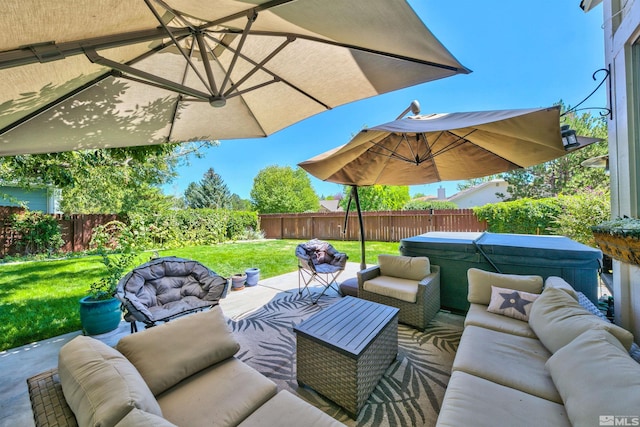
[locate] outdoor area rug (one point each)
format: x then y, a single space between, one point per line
411 390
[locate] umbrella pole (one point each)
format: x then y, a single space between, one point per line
354 192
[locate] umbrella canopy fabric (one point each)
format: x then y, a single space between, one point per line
96 74
443 147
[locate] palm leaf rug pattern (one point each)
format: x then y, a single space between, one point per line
411 390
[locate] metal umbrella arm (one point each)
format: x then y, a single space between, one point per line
353 195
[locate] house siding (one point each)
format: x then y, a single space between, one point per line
36 199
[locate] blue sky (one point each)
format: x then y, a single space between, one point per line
522 54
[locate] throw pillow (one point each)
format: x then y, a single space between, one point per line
557 319
595 377
100 385
560 283
404 267
480 283
511 303
166 354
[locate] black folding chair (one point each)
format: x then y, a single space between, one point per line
319 261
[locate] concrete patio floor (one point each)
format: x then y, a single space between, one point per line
18 364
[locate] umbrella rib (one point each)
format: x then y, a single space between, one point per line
457 143
175 41
483 149
258 8
358 48
55 102
205 61
258 66
93 56
251 17
271 73
249 89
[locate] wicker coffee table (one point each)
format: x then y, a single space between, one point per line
343 351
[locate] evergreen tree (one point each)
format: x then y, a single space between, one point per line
210 192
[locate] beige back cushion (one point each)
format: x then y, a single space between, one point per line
557 319
404 267
100 385
595 376
166 354
480 283
560 283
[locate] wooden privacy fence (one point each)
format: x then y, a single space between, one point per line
76 230
384 226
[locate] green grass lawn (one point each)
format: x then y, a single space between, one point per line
39 299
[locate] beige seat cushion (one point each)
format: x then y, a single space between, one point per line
405 267
557 319
474 401
560 283
166 354
287 410
222 395
480 283
479 316
394 287
510 360
140 418
596 376
100 385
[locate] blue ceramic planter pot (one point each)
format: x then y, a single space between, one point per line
253 275
99 317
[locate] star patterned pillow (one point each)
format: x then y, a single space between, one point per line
511 303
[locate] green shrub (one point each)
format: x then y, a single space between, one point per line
188 227
412 205
580 213
115 235
239 223
39 233
570 216
524 216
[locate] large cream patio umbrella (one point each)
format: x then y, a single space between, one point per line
92 74
430 148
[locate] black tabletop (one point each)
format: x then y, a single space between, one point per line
349 326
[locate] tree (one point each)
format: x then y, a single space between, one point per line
239 204
99 180
281 190
211 192
379 197
564 175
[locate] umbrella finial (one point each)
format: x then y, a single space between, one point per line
414 107
217 101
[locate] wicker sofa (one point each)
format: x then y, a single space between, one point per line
537 357
410 284
179 373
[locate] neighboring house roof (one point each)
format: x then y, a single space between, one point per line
330 206
480 194
426 198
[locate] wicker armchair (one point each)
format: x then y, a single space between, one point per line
393 282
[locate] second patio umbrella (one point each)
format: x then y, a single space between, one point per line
442 147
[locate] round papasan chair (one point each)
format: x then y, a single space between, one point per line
168 287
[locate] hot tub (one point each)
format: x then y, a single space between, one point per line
545 256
